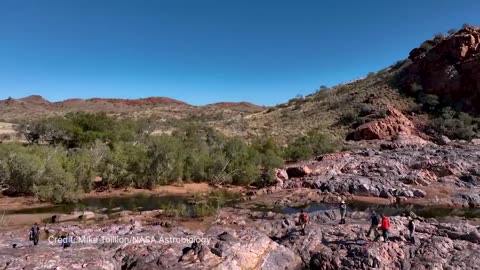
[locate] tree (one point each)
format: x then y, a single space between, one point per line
429 101
55 184
312 144
269 159
165 162
452 31
23 169
439 36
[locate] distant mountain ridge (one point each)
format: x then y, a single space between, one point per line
37 106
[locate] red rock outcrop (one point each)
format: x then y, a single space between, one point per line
450 69
394 124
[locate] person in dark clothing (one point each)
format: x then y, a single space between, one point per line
343 212
411 230
35 234
196 246
374 221
66 238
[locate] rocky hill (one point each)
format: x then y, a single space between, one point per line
447 67
36 106
409 96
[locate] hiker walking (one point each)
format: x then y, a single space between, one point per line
343 212
303 220
374 222
34 234
65 238
411 230
385 226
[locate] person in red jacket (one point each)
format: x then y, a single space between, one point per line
385 226
303 220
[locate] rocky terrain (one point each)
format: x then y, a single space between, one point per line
387 157
449 68
445 175
244 239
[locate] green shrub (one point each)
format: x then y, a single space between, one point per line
22 168
456 125
439 36
79 129
55 184
452 31
427 45
349 117
428 101
313 144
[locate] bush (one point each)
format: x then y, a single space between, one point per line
269 158
456 125
439 36
21 168
427 45
192 153
39 171
313 144
79 129
348 117
55 184
428 101
452 31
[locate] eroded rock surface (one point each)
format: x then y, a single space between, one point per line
446 174
264 240
448 67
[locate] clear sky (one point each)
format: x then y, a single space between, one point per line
204 51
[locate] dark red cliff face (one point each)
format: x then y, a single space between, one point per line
448 67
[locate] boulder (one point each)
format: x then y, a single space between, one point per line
393 124
475 141
298 171
443 140
87 215
281 174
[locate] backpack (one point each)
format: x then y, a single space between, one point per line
304 217
35 230
411 226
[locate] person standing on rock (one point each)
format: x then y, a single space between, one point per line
411 230
385 226
35 234
196 246
303 220
374 222
343 212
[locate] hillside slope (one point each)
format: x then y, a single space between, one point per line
411 95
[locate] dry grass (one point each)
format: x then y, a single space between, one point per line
324 110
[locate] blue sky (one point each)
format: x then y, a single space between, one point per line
208 51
